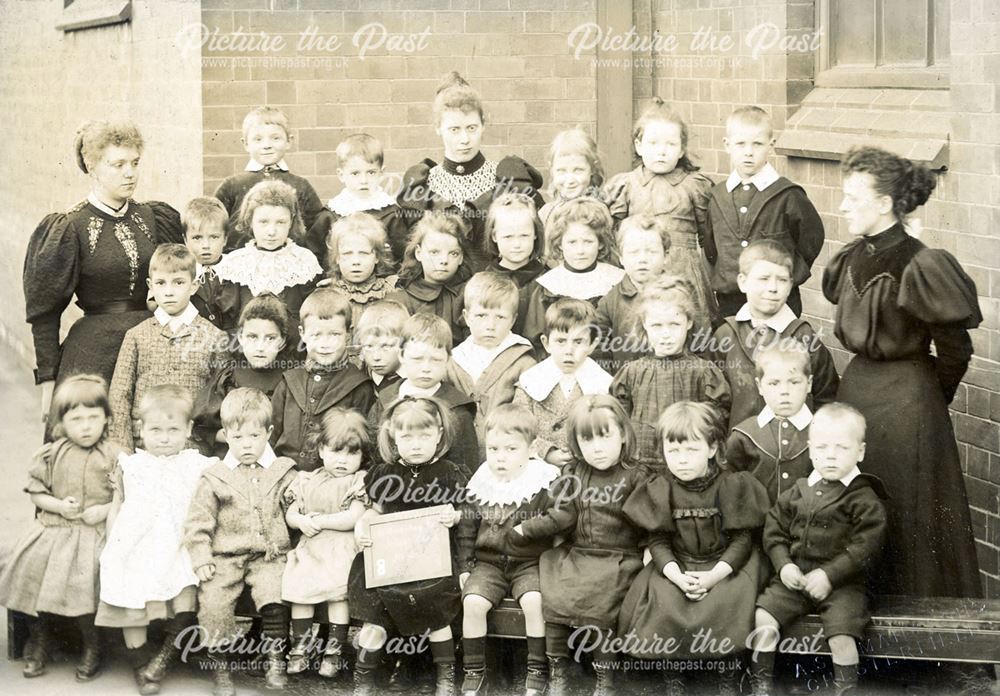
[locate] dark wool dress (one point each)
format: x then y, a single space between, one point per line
894 296
585 579
425 605
103 260
695 524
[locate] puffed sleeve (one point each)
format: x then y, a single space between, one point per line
743 501
936 289
40 472
168 223
356 491
648 506
514 175
615 194
414 197
835 273
51 274
292 495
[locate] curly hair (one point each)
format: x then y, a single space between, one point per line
909 185
363 225
94 137
275 193
585 211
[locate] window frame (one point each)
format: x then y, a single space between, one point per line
934 76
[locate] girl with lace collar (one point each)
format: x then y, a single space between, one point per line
360 262
580 241
272 261
466 182
509 488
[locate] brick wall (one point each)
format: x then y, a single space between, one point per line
52 82
514 52
963 215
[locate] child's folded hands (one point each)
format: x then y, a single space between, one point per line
792 577
205 572
817 585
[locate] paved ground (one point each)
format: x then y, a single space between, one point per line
21 432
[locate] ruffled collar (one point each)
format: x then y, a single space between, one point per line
347 203
581 285
486 488
702 483
464 168
539 381
375 288
885 239
268 271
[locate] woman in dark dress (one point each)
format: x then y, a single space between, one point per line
465 182
894 297
99 251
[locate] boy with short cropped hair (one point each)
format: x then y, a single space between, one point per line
822 536
774 444
756 202
174 346
764 320
379 334
549 388
236 535
425 350
489 362
266 138
359 166
326 380
204 221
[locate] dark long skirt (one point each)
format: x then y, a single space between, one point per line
911 446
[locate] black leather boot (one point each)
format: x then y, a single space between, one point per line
364 681
156 668
605 681
275 676
558 676
137 659
223 685
445 681
38 649
298 658
762 674
89 665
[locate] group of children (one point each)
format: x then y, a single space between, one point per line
627 360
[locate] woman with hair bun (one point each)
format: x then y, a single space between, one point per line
895 297
465 182
99 251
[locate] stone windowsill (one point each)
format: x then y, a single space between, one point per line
913 123
87 14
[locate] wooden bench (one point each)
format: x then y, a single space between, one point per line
907 628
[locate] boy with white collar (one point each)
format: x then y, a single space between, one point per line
753 203
236 535
359 165
174 346
765 320
774 444
549 388
489 362
822 536
204 222
266 138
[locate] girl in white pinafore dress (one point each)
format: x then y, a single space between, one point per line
146 573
